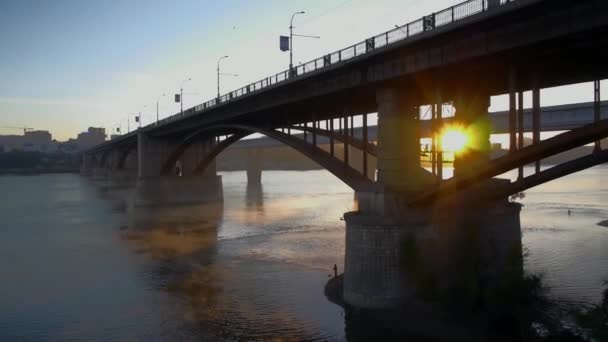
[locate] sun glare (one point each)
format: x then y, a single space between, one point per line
453 139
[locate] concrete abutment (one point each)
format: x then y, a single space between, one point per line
430 253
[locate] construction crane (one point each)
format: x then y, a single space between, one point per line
25 129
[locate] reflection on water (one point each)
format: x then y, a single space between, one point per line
255 196
78 263
223 289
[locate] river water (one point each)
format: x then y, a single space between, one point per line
76 265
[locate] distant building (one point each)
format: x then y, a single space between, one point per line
38 141
93 136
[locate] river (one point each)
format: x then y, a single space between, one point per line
76 265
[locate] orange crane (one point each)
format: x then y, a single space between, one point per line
25 129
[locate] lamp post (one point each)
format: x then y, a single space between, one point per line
181 95
218 75
291 41
139 116
157 100
221 74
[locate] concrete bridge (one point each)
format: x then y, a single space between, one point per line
413 232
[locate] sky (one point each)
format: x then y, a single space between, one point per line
66 65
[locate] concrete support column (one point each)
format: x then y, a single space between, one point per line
193 155
375 275
101 167
121 175
150 153
86 165
399 142
154 190
100 173
254 166
463 253
472 114
177 191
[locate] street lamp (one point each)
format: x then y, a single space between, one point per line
138 117
291 35
222 74
291 41
218 75
157 100
181 95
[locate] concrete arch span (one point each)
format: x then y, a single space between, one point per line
338 168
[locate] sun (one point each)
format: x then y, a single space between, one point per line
453 139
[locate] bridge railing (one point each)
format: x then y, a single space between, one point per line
427 23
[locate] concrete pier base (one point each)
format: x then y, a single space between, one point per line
175 191
430 253
254 167
123 177
374 271
100 174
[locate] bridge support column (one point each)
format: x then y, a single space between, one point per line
100 174
472 113
254 167
177 191
399 171
460 254
394 253
154 189
399 143
86 165
373 273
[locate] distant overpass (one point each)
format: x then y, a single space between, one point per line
553 118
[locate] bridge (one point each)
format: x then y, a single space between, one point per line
459 56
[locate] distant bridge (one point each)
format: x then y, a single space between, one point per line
553 119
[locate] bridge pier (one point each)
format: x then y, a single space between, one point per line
154 188
176 191
100 174
254 167
471 106
458 248
86 165
455 252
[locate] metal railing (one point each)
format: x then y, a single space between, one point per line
438 19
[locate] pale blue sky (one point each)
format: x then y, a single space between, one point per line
69 64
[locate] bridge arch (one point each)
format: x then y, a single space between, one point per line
349 175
